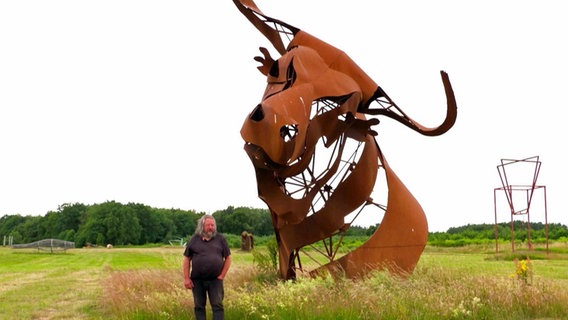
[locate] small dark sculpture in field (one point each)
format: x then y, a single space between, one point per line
316 158
247 241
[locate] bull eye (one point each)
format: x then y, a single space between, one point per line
290 76
288 132
257 114
274 71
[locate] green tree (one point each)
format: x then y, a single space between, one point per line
153 223
9 223
32 229
121 224
118 224
92 226
64 222
184 222
236 220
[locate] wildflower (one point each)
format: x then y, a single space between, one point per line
523 269
461 310
476 302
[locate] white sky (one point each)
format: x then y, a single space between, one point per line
142 101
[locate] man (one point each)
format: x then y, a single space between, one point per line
207 259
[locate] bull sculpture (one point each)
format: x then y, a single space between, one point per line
312 145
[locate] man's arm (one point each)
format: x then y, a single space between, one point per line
226 265
186 272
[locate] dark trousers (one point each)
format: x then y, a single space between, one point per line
213 289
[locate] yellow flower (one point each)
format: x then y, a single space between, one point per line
523 269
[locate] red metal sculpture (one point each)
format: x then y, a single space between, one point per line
316 157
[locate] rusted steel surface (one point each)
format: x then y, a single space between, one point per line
313 147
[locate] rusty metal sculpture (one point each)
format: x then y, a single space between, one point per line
314 110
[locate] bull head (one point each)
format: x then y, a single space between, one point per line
315 155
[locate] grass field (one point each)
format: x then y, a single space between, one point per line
146 283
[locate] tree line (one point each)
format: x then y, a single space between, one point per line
115 223
482 233
138 224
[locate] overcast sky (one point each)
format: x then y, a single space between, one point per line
142 101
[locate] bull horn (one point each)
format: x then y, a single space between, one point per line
391 110
263 23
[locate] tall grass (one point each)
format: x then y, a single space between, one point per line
430 293
444 286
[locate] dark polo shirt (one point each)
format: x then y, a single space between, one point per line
207 257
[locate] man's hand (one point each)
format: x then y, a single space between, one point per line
186 269
226 265
188 283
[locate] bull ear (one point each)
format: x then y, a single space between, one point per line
267 61
277 32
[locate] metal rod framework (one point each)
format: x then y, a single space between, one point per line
510 190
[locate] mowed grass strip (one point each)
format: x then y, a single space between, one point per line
66 285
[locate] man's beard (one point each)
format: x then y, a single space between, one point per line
209 235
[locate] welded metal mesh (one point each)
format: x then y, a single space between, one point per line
46 245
